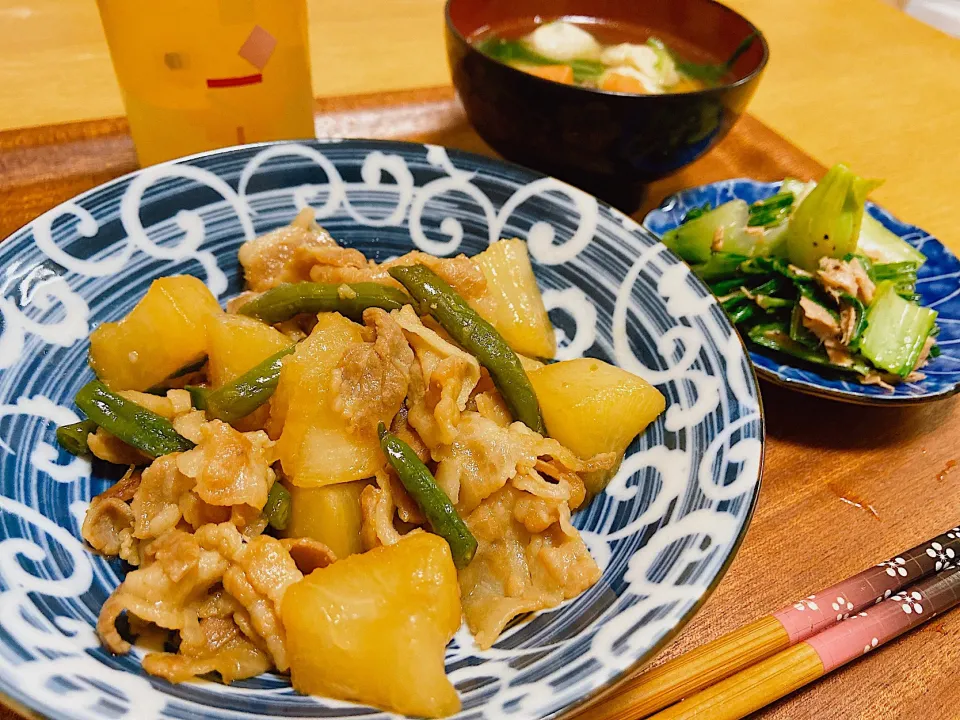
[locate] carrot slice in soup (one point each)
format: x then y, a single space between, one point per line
623 83
687 85
557 73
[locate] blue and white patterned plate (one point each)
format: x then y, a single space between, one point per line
663 532
938 285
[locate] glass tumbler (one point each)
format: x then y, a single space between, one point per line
202 74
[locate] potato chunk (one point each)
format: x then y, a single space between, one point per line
316 446
373 627
237 343
165 332
518 312
330 514
593 407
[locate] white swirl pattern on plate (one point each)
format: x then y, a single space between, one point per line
663 532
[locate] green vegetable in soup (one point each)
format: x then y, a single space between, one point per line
709 73
666 60
562 43
514 52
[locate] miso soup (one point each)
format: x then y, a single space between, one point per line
614 57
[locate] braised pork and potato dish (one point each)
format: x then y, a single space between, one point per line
330 475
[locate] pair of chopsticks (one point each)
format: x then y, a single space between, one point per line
766 660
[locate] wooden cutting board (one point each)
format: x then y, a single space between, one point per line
844 486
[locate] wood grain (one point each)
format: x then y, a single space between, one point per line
870 86
754 688
41 167
804 535
649 691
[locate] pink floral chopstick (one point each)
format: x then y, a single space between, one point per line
721 658
826 607
861 633
757 685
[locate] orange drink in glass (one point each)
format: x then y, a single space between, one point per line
203 74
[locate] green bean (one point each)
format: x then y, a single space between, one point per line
73 437
278 507
478 337
430 497
198 396
242 396
349 299
148 432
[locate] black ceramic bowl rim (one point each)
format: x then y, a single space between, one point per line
716 89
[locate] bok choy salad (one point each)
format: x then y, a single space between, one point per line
807 273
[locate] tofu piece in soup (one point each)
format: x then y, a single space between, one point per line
561 40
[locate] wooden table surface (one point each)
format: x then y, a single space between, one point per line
833 90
